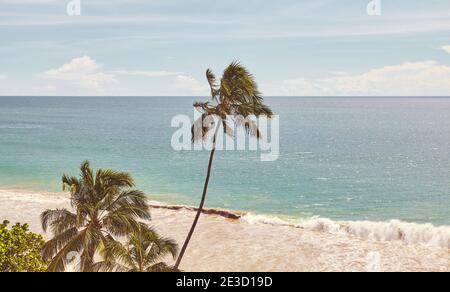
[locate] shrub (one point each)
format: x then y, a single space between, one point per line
20 249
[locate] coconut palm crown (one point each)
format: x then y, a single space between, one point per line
235 100
105 207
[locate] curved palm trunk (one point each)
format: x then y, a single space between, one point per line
202 202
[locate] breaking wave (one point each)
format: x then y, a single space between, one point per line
394 230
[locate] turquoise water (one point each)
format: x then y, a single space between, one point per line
341 158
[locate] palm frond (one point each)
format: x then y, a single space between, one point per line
212 83
53 246
70 183
62 217
160 247
134 201
108 178
120 222
59 262
87 175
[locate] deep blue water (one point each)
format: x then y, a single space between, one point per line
341 158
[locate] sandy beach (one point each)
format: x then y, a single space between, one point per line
254 244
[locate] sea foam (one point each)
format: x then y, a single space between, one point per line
394 230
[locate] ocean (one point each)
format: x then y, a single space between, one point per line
357 159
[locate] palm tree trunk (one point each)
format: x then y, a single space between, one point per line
202 202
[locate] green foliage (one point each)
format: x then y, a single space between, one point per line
20 250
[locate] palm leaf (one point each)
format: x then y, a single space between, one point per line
61 259
212 83
61 219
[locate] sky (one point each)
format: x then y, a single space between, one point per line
163 47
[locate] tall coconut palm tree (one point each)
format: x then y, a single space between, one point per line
143 252
105 207
235 100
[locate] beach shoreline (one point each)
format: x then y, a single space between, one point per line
238 242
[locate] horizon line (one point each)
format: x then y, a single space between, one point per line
267 96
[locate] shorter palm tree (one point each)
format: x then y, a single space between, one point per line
105 208
143 252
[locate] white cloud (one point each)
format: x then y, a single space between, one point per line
2 77
446 48
83 71
75 66
427 78
149 74
83 76
45 89
188 85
